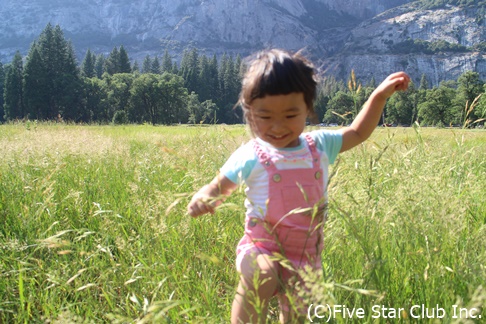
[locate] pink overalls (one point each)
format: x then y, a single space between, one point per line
295 235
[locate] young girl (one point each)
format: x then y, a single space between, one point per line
285 172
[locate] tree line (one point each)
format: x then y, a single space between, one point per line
458 102
49 84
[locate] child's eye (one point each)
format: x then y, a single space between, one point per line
264 117
291 116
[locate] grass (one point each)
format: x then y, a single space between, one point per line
94 227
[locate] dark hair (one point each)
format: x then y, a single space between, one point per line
277 72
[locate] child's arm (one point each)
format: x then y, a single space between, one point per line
210 196
365 123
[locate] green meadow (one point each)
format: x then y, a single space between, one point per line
93 227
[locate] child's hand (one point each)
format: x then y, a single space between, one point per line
201 204
365 123
394 82
210 196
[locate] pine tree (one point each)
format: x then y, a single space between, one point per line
155 66
135 68
35 86
166 62
88 65
112 63
189 70
61 83
147 65
213 79
123 61
204 78
100 66
13 97
424 83
71 101
229 73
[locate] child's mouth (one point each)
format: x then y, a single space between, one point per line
275 137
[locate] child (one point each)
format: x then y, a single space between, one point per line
286 174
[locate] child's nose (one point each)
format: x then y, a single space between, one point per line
278 124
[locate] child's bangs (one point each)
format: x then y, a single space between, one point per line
279 77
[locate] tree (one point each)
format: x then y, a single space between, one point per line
401 107
123 61
424 83
88 65
326 89
200 112
13 95
339 108
135 67
436 109
112 63
229 80
469 87
155 66
57 77
213 79
174 99
118 88
189 69
34 86
147 65
166 62
118 61
481 108
204 91
100 66
145 101
96 100
70 87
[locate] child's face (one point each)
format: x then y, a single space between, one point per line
279 119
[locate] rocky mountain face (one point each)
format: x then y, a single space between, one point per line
377 45
338 35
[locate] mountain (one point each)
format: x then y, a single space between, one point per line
338 35
440 43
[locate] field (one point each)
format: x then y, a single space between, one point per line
93 226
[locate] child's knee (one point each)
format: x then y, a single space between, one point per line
258 272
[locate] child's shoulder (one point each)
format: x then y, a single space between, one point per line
328 141
241 163
322 135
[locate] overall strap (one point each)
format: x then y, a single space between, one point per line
316 158
263 157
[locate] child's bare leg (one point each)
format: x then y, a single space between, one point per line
258 283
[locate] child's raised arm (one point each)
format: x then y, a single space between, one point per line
210 196
367 119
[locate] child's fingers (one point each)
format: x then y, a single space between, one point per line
200 207
400 80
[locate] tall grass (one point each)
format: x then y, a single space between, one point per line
93 224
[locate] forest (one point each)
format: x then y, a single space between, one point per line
49 85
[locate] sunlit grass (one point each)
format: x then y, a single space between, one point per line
94 225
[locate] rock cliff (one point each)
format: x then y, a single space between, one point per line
339 35
373 47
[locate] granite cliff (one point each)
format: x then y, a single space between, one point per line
338 35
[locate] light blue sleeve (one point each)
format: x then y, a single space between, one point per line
328 141
240 164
